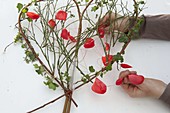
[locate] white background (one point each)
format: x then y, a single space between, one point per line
21 89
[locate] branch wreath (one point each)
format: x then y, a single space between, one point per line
55 56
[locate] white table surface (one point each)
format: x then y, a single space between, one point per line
21 89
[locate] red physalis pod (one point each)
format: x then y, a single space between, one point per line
51 23
99 87
101 31
119 81
65 34
61 15
72 39
107 59
125 66
89 43
107 46
33 15
135 79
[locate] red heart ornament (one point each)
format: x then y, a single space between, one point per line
136 79
119 81
125 66
107 59
99 87
33 15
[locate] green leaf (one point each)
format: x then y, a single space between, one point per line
99 4
29 19
83 79
39 69
23 15
109 67
123 38
27 60
30 55
101 75
25 10
19 6
87 0
39 72
91 69
118 57
104 1
18 38
23 45
94 8
68 78
87 76
141 2
52 86
36 66
66 74
50 83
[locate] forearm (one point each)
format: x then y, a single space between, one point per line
156 27
166 95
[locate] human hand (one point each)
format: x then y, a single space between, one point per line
149 88
118 22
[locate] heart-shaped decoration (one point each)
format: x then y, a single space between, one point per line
136 79
119 81
99 87
53 46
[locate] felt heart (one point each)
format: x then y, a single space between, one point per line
119 81
99 87
136 79
125 66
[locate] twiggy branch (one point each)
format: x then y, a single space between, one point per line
8 46
47 104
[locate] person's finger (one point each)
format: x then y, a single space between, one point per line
125 86
124 74
125 80
104 19
131 88
133 72
107 30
